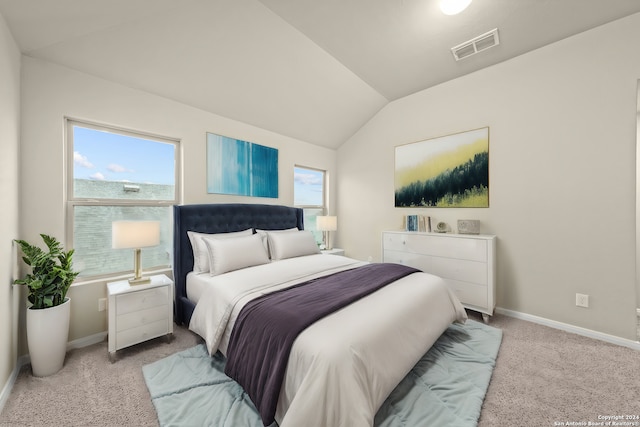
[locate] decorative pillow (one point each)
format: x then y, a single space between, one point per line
200 250
235 253
265 241
292 244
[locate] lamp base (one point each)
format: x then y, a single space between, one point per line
327 242
139 281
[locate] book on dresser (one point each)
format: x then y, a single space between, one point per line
466 262
417 223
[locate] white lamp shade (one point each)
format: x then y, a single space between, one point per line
453 7
135 234
327 223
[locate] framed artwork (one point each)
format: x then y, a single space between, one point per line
241 168
450 171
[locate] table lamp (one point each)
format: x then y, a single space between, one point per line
327 224
135 235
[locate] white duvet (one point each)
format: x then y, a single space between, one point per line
343 367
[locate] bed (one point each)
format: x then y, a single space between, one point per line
341 368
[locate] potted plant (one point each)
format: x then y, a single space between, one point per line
48 317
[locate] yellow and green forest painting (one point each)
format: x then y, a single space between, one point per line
450 171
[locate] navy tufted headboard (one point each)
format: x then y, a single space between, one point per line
218 218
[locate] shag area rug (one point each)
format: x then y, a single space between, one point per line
446 387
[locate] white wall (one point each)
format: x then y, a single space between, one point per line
638 209
52 92
562 173
9 143
562 167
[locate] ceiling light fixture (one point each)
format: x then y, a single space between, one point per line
453 7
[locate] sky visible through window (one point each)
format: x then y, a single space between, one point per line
106 156
307 187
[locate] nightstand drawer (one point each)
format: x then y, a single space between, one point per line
141 333
139 318
140 300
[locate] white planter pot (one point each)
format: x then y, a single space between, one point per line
47 334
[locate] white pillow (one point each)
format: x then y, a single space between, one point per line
292 244
236 253
200 250
265 241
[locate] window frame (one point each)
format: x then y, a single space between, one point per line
71 201
324 206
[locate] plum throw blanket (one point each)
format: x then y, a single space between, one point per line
266 328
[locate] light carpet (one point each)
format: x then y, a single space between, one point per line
446 387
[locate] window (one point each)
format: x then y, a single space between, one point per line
309 194
113 175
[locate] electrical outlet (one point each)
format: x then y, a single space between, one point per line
582 300
102 304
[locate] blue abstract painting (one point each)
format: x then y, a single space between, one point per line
241 168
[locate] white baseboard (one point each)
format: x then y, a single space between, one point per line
25 359
6 390
87 341
612 339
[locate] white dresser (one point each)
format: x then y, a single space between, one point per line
467 262
140 312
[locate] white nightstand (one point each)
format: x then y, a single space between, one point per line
140 312
334 251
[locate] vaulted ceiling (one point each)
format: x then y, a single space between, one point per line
312 70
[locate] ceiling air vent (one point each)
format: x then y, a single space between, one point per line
476 44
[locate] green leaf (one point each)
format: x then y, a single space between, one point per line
51 272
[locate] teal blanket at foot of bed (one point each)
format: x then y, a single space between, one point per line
445 388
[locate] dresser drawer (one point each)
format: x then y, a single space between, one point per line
460 270
448 268
470 293
142 317
430 244
140 300
408 258
141 333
